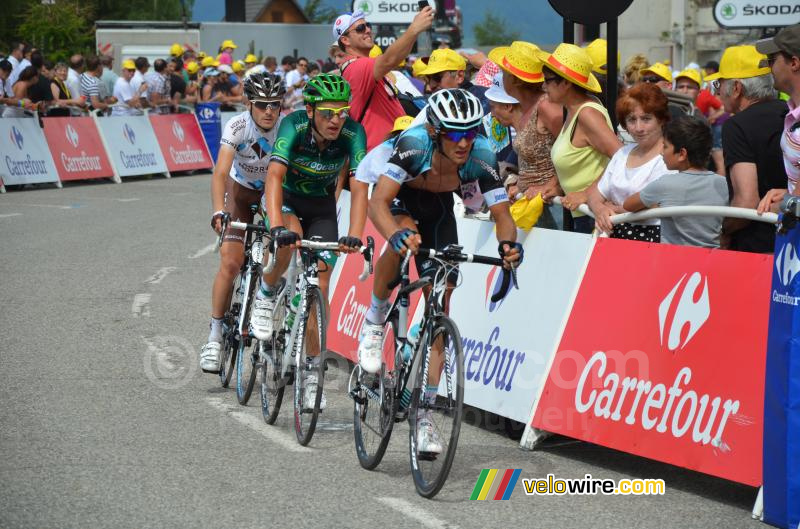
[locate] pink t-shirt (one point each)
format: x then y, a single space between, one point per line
225 58
383 108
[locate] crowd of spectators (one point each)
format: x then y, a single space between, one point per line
724 134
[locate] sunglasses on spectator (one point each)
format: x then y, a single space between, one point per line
361 28
437 77
457 135
551 79
651 79
267 105
328 112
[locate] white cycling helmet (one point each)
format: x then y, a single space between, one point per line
454 109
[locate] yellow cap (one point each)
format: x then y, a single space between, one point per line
598 51
691 73
418 67
128 64
201 55
375 51
573 64
250 58
740 62
209 61
521 60
660 69
176 50
445 60
402 123
192 67
237 66
228 44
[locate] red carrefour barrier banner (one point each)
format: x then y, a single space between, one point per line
663 356
181 142
77 148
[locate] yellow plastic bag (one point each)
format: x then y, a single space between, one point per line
527 211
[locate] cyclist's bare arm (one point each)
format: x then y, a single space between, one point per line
358 207
505 227
378 209
273 190
221 171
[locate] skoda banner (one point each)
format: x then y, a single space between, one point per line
181 142
756 13
26 158
782 388
77 149
132 145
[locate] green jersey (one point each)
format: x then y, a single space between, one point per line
311 171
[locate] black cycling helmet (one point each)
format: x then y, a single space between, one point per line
263 86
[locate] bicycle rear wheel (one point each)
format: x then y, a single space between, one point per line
430 469
374 407
309 372
230 344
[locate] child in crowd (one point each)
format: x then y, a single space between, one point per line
687 148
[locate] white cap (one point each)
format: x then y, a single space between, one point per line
210 72
497 92
224 68
343 22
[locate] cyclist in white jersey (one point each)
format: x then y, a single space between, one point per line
236 186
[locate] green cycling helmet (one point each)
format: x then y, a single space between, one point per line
326 87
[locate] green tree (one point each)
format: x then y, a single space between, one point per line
59 28
493 30
320 13
142 9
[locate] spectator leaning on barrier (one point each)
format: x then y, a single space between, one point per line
62 96
585 144
158 86
90 84
539 123
109 78
209 92
20 93
750 143
24 61
138 82
447 69
5 71
77 64
643 112
506 114
192 94
128 100
687 148
783 56
177 83
40 92
374 103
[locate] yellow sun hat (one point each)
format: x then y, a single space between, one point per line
740 62
250 58
573 64
418 67
598 51
691 73
375 51
237 66
176 50
444 60
128 64
192 67
209 62
521 60
228 44
660 69
402 123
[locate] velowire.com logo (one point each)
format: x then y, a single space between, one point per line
495 484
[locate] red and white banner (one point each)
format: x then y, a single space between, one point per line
77 148
181 142
663 356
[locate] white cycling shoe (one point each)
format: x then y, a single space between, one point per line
310 397
370 347
210 357
428 441
261 318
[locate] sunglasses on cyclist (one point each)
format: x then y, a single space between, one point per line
328 112
457 135
361 28
267 105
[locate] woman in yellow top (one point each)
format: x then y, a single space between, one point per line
587 141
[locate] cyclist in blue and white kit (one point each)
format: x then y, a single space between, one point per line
237 185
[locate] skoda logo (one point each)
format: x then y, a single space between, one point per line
728 11
177 130
16 137
127 131
365 6
72 136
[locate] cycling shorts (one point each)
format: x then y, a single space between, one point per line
239 203
317 216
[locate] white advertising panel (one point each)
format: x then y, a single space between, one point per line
132 145
26 157
756 13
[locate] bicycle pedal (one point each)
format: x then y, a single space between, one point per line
354 395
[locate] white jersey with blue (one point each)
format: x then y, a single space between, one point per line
253 148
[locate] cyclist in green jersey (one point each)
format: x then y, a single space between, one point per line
314 147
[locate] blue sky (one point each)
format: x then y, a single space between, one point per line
540 24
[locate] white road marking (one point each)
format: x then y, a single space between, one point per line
419 514
203 251
45 206
256 423
10 215
127 199
160 275
141 305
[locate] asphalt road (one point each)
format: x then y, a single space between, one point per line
107 421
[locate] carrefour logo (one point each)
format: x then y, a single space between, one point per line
787 264
207 113
686 304
177 131
127 131
16 137
493 283
72 135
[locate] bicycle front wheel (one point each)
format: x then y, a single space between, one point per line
273 382
246 360
374 407
435 425
310 373
230 344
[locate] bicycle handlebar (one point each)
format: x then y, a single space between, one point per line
366 250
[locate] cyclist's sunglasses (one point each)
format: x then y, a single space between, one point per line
328 112
267 105
361 28
457 135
